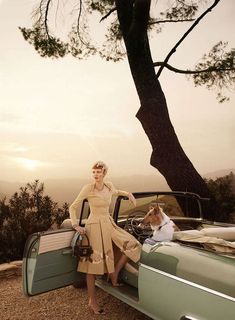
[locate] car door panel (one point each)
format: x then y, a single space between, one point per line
170 298
48 263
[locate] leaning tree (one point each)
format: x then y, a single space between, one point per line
128 24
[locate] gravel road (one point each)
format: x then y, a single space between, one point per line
62 304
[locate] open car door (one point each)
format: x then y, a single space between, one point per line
48 262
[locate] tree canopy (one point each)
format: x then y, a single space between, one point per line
215 69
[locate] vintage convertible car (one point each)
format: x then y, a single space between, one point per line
190 277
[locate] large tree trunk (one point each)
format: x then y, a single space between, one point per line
167 156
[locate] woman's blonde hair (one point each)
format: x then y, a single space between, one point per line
100 165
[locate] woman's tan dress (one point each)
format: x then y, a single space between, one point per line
102 231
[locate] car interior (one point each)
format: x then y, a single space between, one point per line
184 211
182 208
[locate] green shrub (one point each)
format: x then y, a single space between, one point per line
223 191
26 212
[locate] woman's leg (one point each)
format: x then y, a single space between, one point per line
90 280
120 264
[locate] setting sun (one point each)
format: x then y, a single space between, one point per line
29 163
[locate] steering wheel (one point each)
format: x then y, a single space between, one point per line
133 225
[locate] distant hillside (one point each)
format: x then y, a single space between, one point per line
217 174
65 190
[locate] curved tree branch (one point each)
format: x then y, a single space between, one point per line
151 23
40 10
185 35
83 40
108 14
176 70
46 18
78 21
170 20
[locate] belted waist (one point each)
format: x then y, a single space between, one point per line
97 218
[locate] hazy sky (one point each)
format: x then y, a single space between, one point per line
57 117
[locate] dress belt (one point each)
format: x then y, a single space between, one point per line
96 218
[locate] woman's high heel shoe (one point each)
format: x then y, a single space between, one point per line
99 311
114 284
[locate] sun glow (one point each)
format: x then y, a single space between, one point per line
29 163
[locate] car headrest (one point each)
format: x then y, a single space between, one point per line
66 224
226 233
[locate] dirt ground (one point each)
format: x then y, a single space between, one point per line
62 304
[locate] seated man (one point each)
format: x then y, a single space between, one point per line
163 227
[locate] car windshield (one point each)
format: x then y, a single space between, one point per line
172 205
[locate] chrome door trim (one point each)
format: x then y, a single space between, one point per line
185 317
193 284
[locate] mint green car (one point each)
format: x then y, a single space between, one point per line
191 277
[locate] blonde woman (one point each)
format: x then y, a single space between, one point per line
103 233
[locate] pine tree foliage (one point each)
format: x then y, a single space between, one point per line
216 70
223 190
26 212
